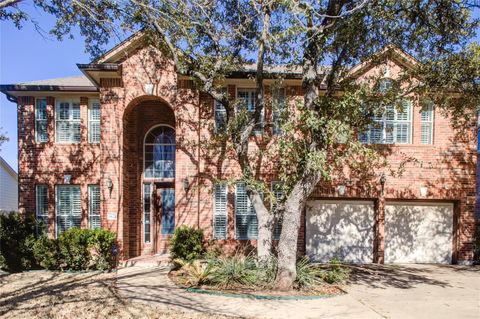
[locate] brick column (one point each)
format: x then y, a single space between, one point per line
379 230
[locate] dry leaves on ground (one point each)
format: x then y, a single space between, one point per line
45 294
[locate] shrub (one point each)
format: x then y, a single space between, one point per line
16 240
186 243
335 272
77 249
238 270
307 273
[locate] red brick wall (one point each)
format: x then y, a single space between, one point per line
447 168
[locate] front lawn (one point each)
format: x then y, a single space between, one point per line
46 294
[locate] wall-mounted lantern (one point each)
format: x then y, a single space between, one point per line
423 191
383 180
109 184
341 190
186 184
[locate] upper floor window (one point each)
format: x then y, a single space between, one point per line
278 108
426 117
278 194
246 99
41 121
94 122
160 153
67 120
220 117
391 126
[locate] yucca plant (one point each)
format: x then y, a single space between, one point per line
197 272
238 270
308 274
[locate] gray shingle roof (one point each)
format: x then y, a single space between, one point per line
79 80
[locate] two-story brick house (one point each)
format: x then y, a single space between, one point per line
122 148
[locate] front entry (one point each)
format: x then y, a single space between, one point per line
164 216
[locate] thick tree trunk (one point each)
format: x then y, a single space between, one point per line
287 246
265 228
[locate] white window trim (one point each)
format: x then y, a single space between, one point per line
36 120
150 212
90 121
235 213
57 105
215 210
90 215
37 206
432 125
384 121
262 115
56 203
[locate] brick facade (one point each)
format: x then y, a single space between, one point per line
447 168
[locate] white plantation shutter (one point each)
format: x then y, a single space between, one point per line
94 206
41 209
246 223
41 121
94 122
279 106
68 210
67 120
426 117
390 127
277 191
220 211
246 99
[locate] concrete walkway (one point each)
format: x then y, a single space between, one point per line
417 291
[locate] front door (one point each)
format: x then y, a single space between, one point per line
164 216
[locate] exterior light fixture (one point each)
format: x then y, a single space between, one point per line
148 87
109 184
341 190
186 184
383 180
423 191
67 178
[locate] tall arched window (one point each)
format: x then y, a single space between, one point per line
159 157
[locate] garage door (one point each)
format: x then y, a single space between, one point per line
340 228
418 233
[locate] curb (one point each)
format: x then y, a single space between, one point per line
258 297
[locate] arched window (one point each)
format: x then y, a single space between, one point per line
159 157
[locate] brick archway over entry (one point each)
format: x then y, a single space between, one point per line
141 116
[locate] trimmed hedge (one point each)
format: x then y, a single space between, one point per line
77 249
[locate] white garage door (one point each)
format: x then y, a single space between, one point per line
340 228
418 233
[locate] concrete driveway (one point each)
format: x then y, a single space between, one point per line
375 291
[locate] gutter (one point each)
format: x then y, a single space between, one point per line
22 87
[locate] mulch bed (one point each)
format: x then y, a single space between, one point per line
260 292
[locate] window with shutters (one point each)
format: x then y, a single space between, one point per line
220 220
246 223
68 207
41 211
390 126
220 114
246 100
94 206
67 119
426 130
147 207
278 108
94 122
277 190
41 121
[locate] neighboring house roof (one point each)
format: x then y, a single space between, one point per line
8 169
